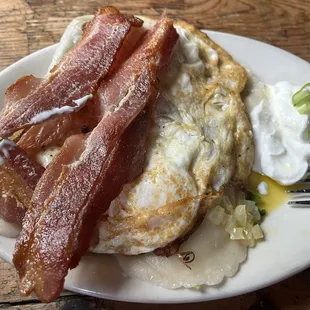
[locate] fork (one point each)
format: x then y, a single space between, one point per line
300 194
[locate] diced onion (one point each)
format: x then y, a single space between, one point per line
240 215
237 234
216 215
257 232
230 224
227 204
240 220
240 197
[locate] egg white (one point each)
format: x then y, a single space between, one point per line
191 154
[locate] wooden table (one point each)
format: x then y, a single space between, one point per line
29 25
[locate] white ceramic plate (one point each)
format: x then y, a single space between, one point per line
286 249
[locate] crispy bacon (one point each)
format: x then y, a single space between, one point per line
18 177
21 89
76 76
55 131
90 171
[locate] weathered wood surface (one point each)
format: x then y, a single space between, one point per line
26 26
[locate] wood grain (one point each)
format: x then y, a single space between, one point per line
26 26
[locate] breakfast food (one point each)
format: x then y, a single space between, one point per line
19 177
59 219
199 115
137 144
281 131
213 252
31 101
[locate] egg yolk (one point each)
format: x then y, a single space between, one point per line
276 197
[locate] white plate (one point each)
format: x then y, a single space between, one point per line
286 250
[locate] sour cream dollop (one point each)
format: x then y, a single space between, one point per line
282 148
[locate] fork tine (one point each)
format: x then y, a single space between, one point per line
300 202
305 181
298 191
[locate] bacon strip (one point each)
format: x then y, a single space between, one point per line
55 131
19 175
88 173
76 76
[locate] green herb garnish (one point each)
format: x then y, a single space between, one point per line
301 99
254 197
262 212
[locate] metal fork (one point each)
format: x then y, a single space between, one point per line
300 194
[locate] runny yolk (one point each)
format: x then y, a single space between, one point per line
276 197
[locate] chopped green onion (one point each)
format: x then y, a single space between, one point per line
304 108
262 212
301 99
254 197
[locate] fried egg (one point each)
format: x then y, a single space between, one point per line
210 254
201 140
